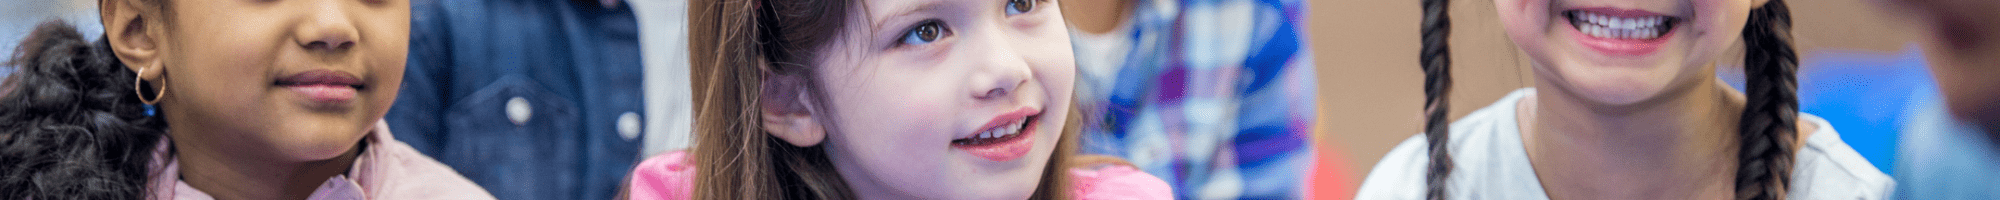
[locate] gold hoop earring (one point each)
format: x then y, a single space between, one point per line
141 91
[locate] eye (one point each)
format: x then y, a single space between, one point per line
1015 7
924 33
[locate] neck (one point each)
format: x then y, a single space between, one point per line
1680 145
228 173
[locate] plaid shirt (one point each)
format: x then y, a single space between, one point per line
1215 96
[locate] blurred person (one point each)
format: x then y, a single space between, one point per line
216 100
532 99
1628 106
885 99
1949 151
1216 97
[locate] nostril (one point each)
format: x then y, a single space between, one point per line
995 93
328 45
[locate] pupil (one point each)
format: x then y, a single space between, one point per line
927 33
1023 5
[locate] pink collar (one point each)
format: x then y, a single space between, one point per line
166 184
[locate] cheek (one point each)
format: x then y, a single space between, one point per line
1525 21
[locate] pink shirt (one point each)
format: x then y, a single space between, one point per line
387 169
671 176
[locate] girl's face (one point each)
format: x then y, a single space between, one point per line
948 99
287 80
1620 52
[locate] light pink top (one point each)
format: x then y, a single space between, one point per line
387 169
671 176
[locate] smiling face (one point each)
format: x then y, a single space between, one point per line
293 80
947 99
1619 52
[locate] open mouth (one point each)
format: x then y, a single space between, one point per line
1621 31
1603 25
1006 138
995 135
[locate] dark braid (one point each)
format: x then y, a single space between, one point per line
1436 61
1764 165
71 125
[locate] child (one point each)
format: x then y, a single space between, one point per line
1629 108
884 99
216 100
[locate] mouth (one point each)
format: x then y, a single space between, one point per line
1005 138
1621 31
323 88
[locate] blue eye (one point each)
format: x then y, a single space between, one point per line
1015 7
925 33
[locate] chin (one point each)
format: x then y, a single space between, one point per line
313 144
1614 86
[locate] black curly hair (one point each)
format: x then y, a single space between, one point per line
1766 130
71 123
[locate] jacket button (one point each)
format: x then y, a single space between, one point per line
518 111
628 126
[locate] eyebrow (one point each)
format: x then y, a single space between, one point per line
905 11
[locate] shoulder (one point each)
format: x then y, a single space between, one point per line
408 174
1826 168
665 176
1400 173
1117 182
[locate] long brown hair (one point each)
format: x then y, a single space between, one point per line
734 47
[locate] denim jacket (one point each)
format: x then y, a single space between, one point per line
530 99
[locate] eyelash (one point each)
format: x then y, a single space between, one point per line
1011 4
914 35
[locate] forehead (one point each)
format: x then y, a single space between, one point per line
879 11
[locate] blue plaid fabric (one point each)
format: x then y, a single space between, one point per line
1215 96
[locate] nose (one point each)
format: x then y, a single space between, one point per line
326 28
999 72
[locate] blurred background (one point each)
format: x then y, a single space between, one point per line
1861 70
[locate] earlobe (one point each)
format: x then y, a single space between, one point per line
798 129
788 112
133 34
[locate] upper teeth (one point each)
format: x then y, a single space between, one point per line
1002 131
1605 26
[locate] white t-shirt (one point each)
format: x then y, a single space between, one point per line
1492 163
669 93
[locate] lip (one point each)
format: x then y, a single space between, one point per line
1006 149
323 88
1616 46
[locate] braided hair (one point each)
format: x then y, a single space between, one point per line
1767 128
71 126
1436 60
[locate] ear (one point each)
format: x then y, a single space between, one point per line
133 29
788 112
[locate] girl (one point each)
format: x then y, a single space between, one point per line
1630 108
884 99
216 100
